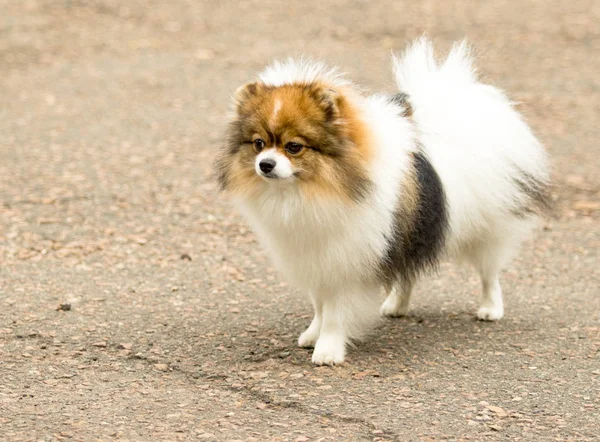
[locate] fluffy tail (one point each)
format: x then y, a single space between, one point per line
417 70
450 103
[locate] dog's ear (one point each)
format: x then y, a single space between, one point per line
243 98
329 100
246 91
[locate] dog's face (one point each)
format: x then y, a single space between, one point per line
304 136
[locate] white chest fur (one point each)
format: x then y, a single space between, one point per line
318 244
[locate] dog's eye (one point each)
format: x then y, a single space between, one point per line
259 144
294 148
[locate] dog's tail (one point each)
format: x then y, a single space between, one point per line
418 73
446 97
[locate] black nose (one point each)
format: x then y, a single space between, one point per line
267 165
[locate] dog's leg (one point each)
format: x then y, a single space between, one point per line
396 303
488 264
492 306
309 337
347 315
330 348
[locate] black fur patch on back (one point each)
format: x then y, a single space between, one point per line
419 234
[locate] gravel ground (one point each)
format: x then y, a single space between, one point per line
136 305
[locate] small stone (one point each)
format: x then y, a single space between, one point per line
499 411
99 344
64 307
141 241
161 367
362 374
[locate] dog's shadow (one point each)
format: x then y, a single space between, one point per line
422 335
425 335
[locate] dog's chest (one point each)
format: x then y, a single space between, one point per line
319 245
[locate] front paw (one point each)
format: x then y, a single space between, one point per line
308 338
329 350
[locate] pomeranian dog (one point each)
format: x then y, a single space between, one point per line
353 193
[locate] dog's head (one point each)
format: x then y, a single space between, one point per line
300 135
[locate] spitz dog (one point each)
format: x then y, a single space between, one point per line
351 193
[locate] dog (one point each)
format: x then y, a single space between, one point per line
351 193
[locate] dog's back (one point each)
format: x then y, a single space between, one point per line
493 169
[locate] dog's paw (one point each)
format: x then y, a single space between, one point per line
329 350
308 338
490 313
393 308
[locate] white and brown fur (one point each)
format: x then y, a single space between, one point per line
384 186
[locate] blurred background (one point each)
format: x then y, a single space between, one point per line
132 295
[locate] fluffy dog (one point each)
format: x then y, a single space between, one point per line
351 193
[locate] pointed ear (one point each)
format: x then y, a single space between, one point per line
330 101
246 91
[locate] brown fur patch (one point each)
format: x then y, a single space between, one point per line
337 143
410 199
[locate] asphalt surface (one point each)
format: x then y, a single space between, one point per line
136 305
